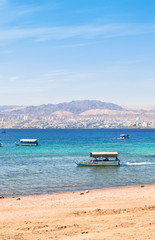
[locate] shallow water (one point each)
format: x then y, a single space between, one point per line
50 167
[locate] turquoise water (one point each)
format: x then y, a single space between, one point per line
50 167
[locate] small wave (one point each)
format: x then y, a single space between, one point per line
140 163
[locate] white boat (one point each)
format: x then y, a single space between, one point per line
101 159
27 142
124 136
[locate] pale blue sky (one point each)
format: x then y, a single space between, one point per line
53 51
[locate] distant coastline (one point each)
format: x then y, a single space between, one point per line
77 114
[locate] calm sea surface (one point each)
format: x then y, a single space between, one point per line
50 167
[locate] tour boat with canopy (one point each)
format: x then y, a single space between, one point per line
101 159
27 142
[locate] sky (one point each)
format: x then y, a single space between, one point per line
54 51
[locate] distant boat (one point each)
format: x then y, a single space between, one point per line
3 132
101 159
124 136
0 144
27 142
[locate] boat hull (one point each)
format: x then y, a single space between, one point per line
98 164
26 144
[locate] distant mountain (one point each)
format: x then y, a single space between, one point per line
76 114
147 108
7 107
74 107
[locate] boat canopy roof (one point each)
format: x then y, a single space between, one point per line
103 154
122 135
28 140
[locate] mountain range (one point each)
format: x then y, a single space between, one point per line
76 108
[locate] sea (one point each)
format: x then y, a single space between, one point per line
50 167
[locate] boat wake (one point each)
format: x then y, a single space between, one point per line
140 163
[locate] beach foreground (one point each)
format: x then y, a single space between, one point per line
116 213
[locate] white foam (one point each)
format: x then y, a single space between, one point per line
140 163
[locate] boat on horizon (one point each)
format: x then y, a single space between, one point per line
27 142
124 136
101 159
3 131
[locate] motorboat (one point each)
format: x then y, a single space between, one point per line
124 136
101 159
27 142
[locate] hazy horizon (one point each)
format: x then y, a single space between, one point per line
122 105
56 51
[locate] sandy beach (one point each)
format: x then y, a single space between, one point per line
116 213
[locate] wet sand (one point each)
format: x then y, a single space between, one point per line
116 213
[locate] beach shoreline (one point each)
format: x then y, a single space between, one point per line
75 191
109 213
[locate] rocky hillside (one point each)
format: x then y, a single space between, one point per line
74 107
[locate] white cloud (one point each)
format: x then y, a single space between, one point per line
65 76
81 32
13 78
29 9
6 52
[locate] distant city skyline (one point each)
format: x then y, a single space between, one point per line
63 50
